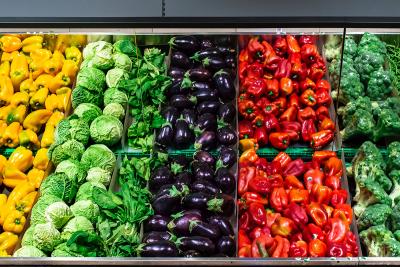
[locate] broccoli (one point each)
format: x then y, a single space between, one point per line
395 194
372 170
374 215
361 124
388 125
379 85
368 151
392 103
367 62
394 218
391 248
371 42
373 239
393 156
351 107
350 47
351 87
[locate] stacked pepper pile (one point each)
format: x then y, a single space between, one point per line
288 208
34 89
15 207
283 96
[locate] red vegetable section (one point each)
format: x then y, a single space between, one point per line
283 96
291 208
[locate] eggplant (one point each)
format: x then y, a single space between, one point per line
208 52
207 141
189 116
191 254
207 122
175 72
161 176
165 135
180 60
208 107
230 61
205 44
177 88
183 135
153 236
159 249
227 136
226 245
205 95
225 86
200 86
187 44
156 223
227 156
167 200
214 63
200 228
199 75
181 224
204 186
179 160
225 180
184 178
221 204
227 112
196 200
170 114
201 244
182 101
203 171
204 156
224 50
223 224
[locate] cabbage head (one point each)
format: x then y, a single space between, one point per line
86 208
71 149
98 175
87 112
29 252
92 79
72 128
114 76
58 214
114 109
99 54
27 239
78 223
59 185
106 130
122 61
99 155
82 95
73 169
37 213
113 95
63 250
46 237
127 47
85 191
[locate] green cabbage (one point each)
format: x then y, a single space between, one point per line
58 184
127 47
98 175
72 128
58 214
92 79
29 252
73 169
122 61
82 95
37 213
86 208
71 149
115 110
85 191
99 155
114 76
87 112
113 95
46 237
27 240
78 223
106 130
99 54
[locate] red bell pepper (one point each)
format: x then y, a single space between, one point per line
323 97
255 48
272 88
320 194
247 109
317 70
272 217
323 85
290 114
338 197
283 159
245 175
294 101
295 167
351 245
326 124
280 248
296 213
262 102
243 97
317 213
312 231
293 45
313 176
307 129
286 86
274 168
283 69
271 63
307 84
293 128
301 196
245 252
280 46
243 239
281 103
298 70
336 250
291 181
245 222
270 109
298 249
255 87
307 39
260 184
261 135
275 180
269 50
283 226
255 70
258 231
278 199
261 164
321 139
322 112
243 69
258 121
309 53
259 247
311 165
271 123
244 56
317 248
328 209
343 212
308 98
337 230
322 156
333 181
333 166
245 129
257 214
305 114
279 140
296 237
250 197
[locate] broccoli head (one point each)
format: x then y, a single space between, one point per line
351 87
379 85
367 62
350 47
373 239
388 125
351 107
371 42
394 218
361 124
374 215
395 194
392 103
393 156
368 151
371 169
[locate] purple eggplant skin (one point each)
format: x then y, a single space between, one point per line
208 52
159 249
227 112
165 204
225 180
156 223
202 171
170 114
189 116
181 225
161 176
183 135
207 141
187 44
230 61
184 178
205 95
206 43
200 228
214 63
153 236
165 135
200 86
227 156
226 136
197 200
180 160
191 254
177 89
199 75
226 245
208 107
207 122
204 186
181 101
176 72
204 156
224 50
225 86
221 204
180 60
201 244
223 224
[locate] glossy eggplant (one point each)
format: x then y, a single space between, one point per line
205 44
204 186
226 245
181 224
208 107
203 171
183 135
201 244
180 160
197 200
227 156
187 44
189 116
221 204
167 201
208 52
161 176
207 122
153 236
207 141
204 156
176 72
184 178
165 135
156 223
225 86
230 61
180 60
224 50
170 114
226 136
200 85
214 63
205 95
223 224
182 101
200 228
159 249
225 180
199 74
227 112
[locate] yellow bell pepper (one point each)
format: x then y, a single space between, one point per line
20 98
19 70
78 40
48 136
8 56
17 114
4 111
11 135
4 211
41 160
43 81
6 90
29 139
70 68
74 54
14 222
54 103
36 119
8 241
19 192
5 68
64 93
58 55
54 64
38 100
25 204
36 69
55 119
32 43
3 199
60 80
21 158
41 55
27 86
62 42
35 177
13 177
10 43
3 127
